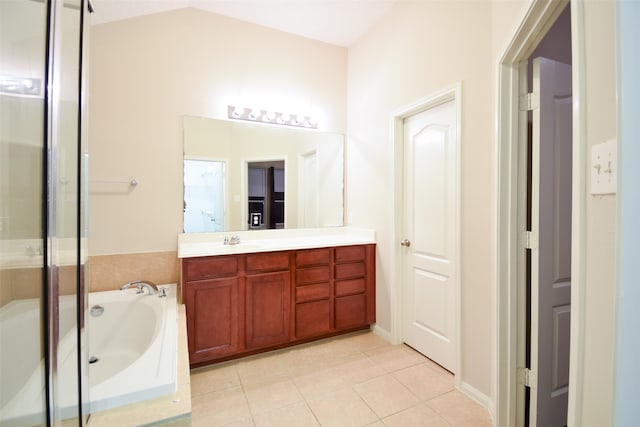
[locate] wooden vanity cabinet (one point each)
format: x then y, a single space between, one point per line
247 303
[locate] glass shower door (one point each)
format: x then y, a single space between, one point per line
23 39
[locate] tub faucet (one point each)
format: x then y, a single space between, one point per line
141 285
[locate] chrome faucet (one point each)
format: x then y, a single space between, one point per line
141 285
234 240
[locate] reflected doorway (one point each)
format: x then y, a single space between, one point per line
204 196
266 195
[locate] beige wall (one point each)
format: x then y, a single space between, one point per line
400 61
147 72
417 49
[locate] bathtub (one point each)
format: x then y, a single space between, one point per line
134 343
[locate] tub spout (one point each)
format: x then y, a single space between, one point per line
141 285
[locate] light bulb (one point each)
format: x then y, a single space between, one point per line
238 112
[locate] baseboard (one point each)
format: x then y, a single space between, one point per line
481 398
382 333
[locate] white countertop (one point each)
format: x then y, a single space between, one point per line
207 244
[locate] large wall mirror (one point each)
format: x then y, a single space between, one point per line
246 176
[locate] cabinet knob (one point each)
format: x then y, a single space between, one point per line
405 242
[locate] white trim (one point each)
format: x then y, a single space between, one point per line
382 333
478 396
449 93
538 18
578 216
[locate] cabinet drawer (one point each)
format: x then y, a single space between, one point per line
306 276
350 287
205 268
352 270
350 253
350 311
312 292
312 318
313 257
272 261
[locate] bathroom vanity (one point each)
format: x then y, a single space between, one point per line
274 289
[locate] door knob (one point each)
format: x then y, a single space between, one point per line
405 242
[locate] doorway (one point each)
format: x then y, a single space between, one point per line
522 258
426 304
266 195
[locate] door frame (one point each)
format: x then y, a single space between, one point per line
446 94
537 19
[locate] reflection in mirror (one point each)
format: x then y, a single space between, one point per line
266 195
203 196
312 171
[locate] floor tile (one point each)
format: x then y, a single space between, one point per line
220 408
319 383
213 378
394 358
425 381
386 395
358 371
267 397
459 410
296 415
354 380
344 408
416 416
367 341
262 369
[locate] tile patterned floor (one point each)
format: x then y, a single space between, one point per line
354 380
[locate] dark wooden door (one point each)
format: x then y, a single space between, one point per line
212 318
267 302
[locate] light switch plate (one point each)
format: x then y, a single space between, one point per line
604 168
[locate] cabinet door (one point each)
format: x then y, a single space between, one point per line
350 311
313 318
212 318
267 302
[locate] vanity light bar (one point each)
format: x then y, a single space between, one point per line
275 118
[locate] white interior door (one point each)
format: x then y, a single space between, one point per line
430 233
308 197
551 260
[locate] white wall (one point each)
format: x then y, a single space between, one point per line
147 72
415 50
599 286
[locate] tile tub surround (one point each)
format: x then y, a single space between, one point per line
205 244
171 410
352 380
109 272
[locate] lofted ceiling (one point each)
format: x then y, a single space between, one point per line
338 22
